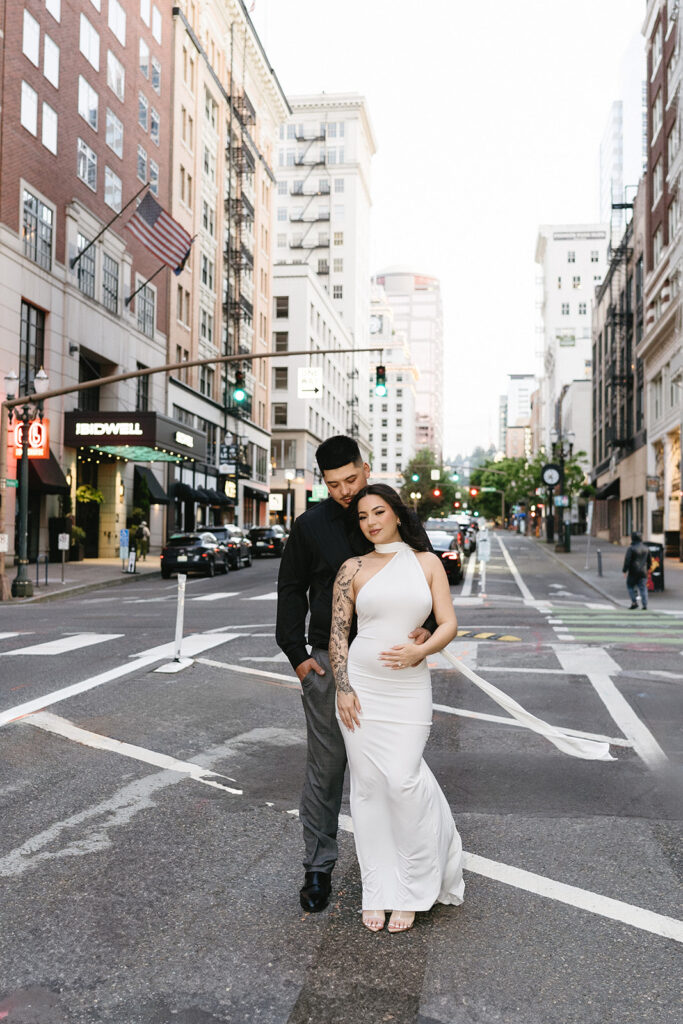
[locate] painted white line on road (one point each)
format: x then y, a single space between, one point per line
192 645
48 722
263 597
29 706
216 597
276 657
598 666
64 644
89 830
523 589
241 626
469 576
8 636
572 895
291 679
461 712
469 602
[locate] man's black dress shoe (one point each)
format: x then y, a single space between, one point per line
315 892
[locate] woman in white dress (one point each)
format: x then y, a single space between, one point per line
409 850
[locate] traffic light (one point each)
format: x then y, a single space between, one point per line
381 381
474 491
415 477
455 476
238 392
436 493
456 504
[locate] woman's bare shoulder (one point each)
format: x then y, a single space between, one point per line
350 567
428 558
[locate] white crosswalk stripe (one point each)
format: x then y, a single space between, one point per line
64 644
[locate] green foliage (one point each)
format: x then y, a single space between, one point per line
86 493
519 479
77 535
422 464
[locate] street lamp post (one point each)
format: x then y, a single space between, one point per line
21 585
290 475
562 448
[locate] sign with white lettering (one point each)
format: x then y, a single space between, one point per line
130 429
652 484
63 541
185 439
275 503
230 489
310 382
38 439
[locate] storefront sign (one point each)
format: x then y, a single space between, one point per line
652 484
106 427
275 503
38 439
184 439
140 436
230 489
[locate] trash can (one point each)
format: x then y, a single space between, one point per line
655 577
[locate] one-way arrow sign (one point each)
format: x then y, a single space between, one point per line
309 382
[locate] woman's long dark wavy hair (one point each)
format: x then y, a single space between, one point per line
409 525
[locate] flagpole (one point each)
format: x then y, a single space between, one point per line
75 259
130 298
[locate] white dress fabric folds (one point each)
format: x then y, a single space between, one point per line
408 847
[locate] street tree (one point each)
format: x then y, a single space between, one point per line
436 495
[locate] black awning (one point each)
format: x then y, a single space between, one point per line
610 490
183 492
254 492
45 475
156 491
216 497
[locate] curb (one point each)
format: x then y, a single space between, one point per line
575 572
57 595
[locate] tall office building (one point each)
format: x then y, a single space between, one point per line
416 302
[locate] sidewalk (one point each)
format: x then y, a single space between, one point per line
612 583
80 577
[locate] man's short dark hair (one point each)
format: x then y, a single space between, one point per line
338 451
636 537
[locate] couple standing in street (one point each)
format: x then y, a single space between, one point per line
362 553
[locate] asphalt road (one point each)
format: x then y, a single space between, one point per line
150 853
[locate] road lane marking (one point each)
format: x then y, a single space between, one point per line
263 597
48 722
469 576
216 597
596 664
613 741
288 680
64 644
88 831
192 644
241 626
8 636
572 895
523 589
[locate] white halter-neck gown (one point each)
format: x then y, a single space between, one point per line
408 847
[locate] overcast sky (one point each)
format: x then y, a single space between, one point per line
488 116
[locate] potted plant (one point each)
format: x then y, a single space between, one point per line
77 549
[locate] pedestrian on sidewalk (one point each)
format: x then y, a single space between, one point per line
321 540
143 536
637 562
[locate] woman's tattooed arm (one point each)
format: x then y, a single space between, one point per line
342 614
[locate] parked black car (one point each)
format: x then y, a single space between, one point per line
237 542
193 552
445 546
267 540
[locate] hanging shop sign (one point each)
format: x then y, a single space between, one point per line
652 484
137 436
38 439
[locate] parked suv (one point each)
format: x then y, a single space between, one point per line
193 552
267 540
237 543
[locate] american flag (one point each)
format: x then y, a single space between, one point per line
159 233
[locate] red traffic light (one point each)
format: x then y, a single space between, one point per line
474 491
456 504
436 492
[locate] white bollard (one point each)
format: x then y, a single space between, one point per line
180 615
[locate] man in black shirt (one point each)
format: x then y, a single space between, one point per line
320 540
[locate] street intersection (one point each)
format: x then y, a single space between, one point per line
151 854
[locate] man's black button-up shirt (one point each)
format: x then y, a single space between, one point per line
320 541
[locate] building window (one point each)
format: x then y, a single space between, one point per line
280 377
87 102
29 108
156 24
31 38
145 11
206 326
86 267
53 7
338 184
639 514
144 58
565 309
657 181
142 163
87 165
656 115
571 256
656 47
154 125
595 256
114 133
49 131
338 238
37 231
583 307
142 396
672 216
338 212
206 381
110 284
210 108
279 414
156 74
281 341
117 21
31 345
282 241
116 75
576 281
154 177
144 301
627 517
89 43
207 272
337 291
338 266
51 61
657 245
143 111
281 306
112 189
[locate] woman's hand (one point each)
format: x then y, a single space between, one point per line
402 656
349 709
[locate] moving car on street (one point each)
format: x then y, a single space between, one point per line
237 543
267 540
445 545
193 552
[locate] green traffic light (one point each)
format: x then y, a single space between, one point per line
239 394
415 477
381 390
455 476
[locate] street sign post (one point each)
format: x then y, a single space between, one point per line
63 545
309 382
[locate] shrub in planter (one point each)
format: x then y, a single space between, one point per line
77 550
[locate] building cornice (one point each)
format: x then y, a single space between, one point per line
338 100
